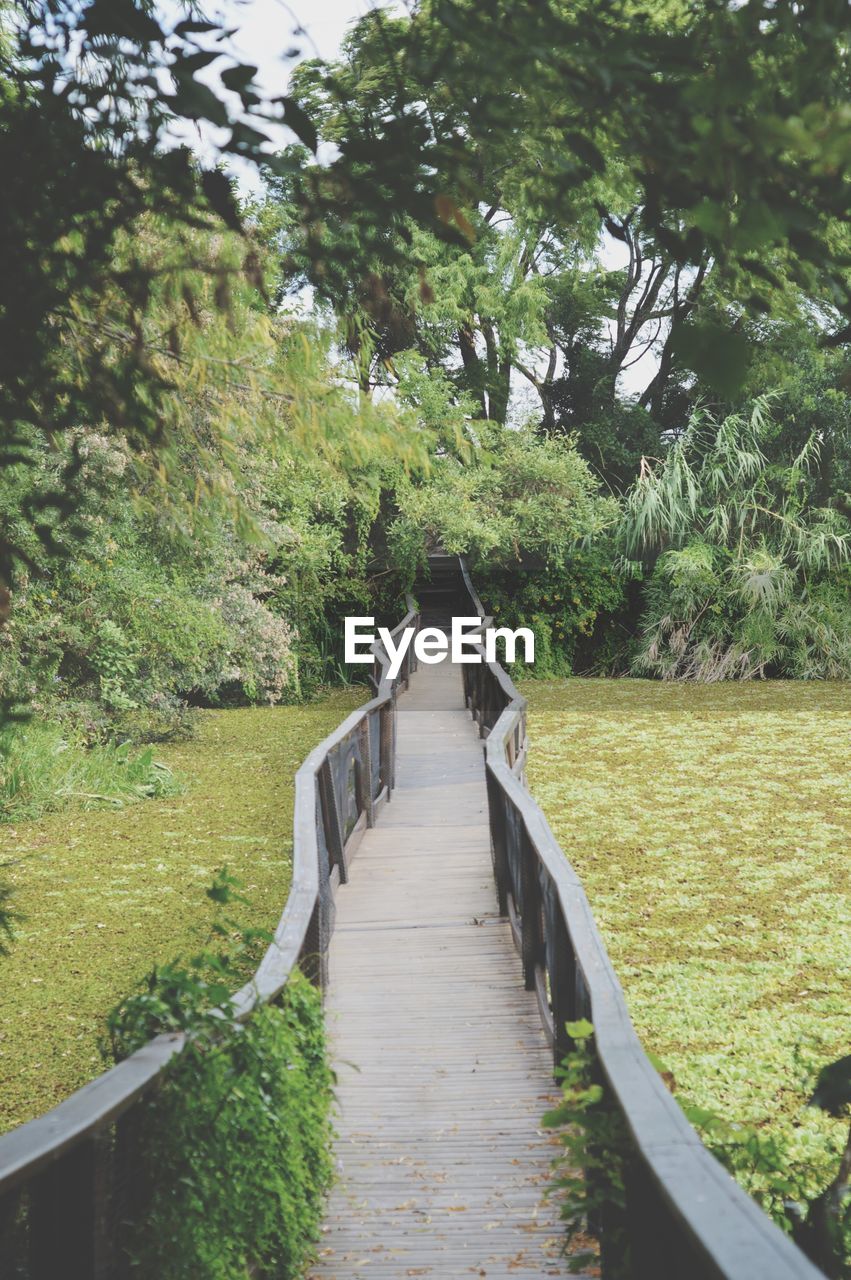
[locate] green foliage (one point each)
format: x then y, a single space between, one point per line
188 995
589 1172
42 770
237 1139
113 659
223 1204
470 227
719 881
528 514
86 95
819 1221
519 492
105 894
8 915
571 604
748 577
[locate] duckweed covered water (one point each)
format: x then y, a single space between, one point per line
711 826
107 894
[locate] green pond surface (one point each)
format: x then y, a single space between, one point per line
711 827
106 894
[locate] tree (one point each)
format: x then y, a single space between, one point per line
88 95
512 157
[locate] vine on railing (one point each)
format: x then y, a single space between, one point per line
70 1180
683 1216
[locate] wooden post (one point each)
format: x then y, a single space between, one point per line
133 1187
531 912
561 963
496 813
364 773
385 747
13 1234
332 821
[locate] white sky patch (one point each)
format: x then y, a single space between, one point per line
273 36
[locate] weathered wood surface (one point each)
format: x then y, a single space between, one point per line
443 1069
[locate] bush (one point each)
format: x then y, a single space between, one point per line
237 1150
595 1164
529 515
238 1138
43 769
567 602
591 1169
746 576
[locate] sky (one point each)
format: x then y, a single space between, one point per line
266 27
267 33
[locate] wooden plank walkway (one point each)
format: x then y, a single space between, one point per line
443 1069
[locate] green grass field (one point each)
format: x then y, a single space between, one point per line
711 826
105 894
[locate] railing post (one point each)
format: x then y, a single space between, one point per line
364 773
496 811
385 731
314 952
332 821
12 1234
561 966
392 742
531 933
133 1187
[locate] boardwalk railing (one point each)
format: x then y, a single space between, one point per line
685 1217
67 1181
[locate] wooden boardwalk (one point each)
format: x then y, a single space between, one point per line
443 1069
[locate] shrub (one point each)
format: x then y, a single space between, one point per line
594 1166
43 769
747 577
236 1153
529 515
590 1170
567 601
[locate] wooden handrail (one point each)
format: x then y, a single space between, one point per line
48 1160
686 1218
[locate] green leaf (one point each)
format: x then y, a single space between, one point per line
196 101
833 1087
186 65
194 26
121 18
711 217
219 192
297 119
238 78
719 356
